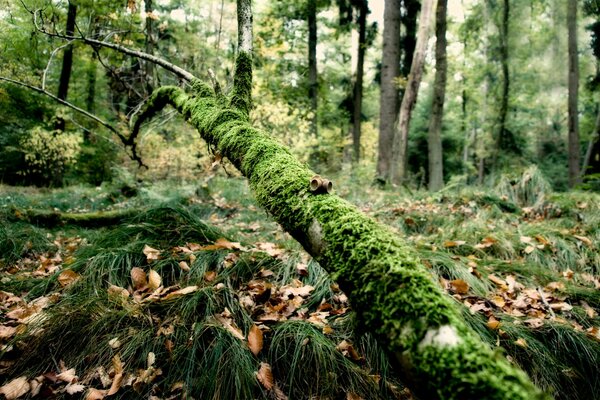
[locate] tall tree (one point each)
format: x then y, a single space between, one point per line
434 142
150 68
400 146
357 94
389 96
67 62
573 121
504 138
313 84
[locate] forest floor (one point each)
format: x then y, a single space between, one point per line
186 291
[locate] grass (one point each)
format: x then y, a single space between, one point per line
462 234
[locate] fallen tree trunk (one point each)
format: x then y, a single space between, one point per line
392 293
49 218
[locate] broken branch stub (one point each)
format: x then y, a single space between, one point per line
320 185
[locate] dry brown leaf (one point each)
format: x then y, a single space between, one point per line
181 292
16 388
588 310
454 243
231 326
255 340
526 239
498 301
561 306
265 376
74 388
116 384
498 281
585 240
210 276
6 332
521 342
95 394
459 286
529 249
222 243
302 269
353 396
114 343
151 253
493 323
568 274
154 280
138 277
67 376
67 277
184 266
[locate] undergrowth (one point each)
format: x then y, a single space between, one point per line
194 335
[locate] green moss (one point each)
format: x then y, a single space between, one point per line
241 96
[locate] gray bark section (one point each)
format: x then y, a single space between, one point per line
434 142
573 120
389 100
358 83
313 85
398 172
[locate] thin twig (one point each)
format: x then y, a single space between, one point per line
50 61
546 303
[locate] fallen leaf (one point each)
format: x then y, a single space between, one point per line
302 269
210 276
151 254
454 243
15 388
498 281
154 280
493 323
138 277
529 249
184 266
67 376
459 286
588 310
6 332
181 292
255 340
67 277
585 240
525 239
95 394
521 342
265 376
114 343
74 388
231 326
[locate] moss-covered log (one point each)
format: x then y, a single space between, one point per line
393 294
49 218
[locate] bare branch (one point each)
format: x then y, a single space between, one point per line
244 18
50 61
127 141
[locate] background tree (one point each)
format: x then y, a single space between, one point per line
436 165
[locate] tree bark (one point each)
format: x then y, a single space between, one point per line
67 62
504 141
400 162
573 120
363 10
589 153
149 67
313 84
389 95
436 165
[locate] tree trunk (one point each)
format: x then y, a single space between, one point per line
504 140
313 84
149 68
573 94
589 153
400 162
436 165
408 41
67 63
357 93
389 95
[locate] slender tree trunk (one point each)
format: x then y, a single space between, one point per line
389 95
573 120
590 148
358 84
313 84
67 62
436 165
150 68
503 139
408 41
400 160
